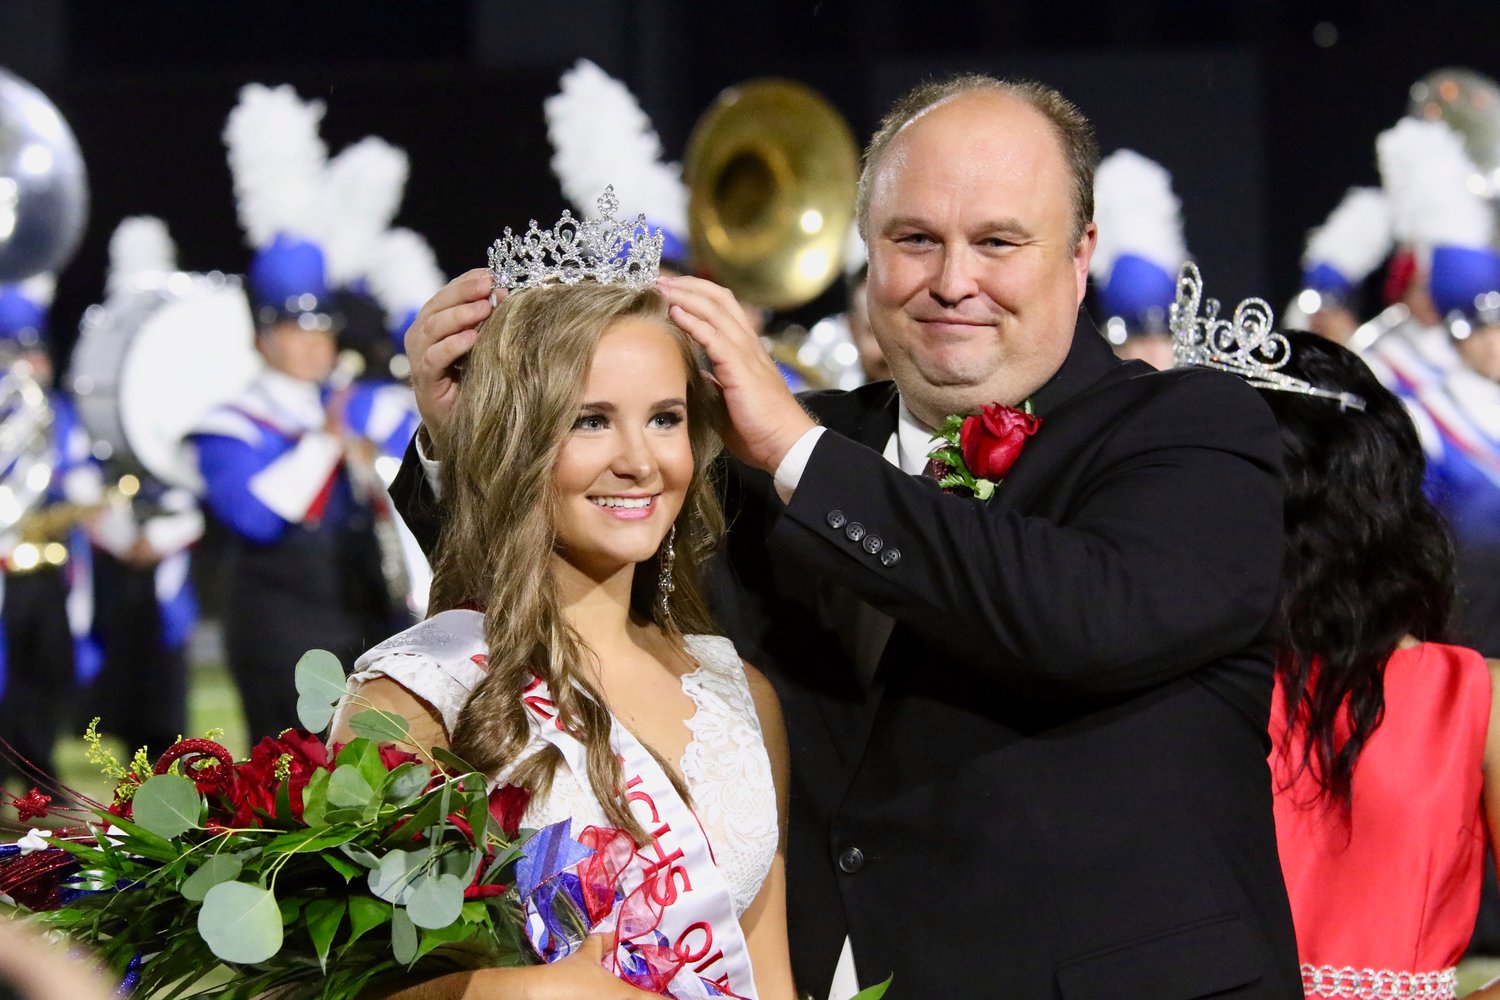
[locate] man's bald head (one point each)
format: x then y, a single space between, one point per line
1074 133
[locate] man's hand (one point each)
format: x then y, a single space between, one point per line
766 418
437 340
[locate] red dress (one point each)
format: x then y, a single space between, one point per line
1384 901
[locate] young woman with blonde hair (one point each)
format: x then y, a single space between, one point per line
571 652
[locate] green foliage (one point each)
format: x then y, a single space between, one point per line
241 923
873 992
353 877
320 685
167 805
383 727
216 868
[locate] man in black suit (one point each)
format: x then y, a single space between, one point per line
1028 734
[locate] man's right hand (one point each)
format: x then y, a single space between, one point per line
440 336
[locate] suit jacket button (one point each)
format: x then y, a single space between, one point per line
872 543
851 860
890 557
836 519
855 531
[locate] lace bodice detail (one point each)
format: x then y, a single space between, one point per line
726 768
725 765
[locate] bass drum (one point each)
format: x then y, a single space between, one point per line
150 363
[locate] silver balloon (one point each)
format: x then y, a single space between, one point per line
43 189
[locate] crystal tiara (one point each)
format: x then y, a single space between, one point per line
607 250
1246 345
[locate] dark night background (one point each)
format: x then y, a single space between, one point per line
1264 112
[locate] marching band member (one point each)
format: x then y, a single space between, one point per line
145 607
1458 418
304 568
1424 172
1340 255
303 571
1140 249
48 489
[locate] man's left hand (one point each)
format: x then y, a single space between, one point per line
766 419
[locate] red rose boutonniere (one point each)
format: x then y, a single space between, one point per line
977 451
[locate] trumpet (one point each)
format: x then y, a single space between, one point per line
43 531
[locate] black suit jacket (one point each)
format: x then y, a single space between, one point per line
1028 736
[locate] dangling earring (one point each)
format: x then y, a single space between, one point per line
664 582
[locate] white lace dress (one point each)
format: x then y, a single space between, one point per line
725 765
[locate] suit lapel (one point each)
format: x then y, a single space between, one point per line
869 417
1089 359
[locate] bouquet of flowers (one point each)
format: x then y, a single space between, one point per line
315 871
318 871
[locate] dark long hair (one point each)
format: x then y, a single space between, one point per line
1368 559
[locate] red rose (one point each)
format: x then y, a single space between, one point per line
306 749
255 782
507 806
477 891
392 757
992 440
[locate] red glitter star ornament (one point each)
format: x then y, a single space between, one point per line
32 805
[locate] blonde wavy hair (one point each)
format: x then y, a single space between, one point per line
522 385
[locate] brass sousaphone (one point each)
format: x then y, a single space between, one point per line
772 171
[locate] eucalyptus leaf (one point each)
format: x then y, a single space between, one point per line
313 713
436 902
406 784
460 864
217 868
359 854
323 917
394 880
240 922
403 937
167 805
348 788
320 684
380 726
